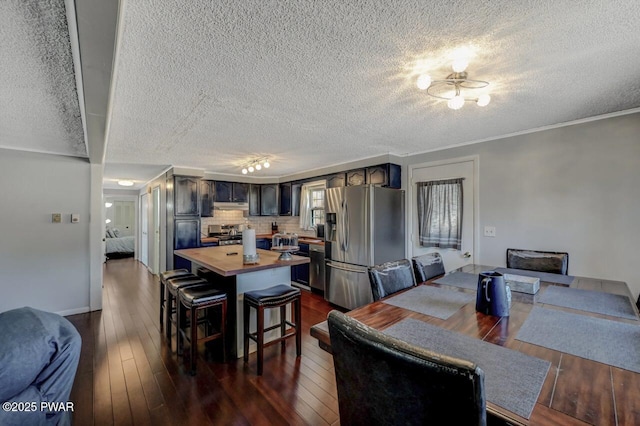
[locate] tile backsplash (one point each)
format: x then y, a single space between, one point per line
262 224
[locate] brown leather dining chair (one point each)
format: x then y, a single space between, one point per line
427 266
390 277
385 381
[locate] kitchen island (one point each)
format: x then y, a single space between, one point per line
223 267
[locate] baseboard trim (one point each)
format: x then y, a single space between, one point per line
76 311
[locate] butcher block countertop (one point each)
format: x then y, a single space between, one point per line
221 261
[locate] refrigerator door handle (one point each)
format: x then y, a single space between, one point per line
346 226
343 244
342 268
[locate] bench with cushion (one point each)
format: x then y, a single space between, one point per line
534 260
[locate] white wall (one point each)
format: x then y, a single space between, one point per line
43 264
573 189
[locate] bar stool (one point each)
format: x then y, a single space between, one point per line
164 276
172 287
278 296
196 298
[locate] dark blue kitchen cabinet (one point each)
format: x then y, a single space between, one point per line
235 192
300 273
183 217
296 190
356 177
254 200
285 199
239 192
186 235
269 200
290 198
207 196
388 175
263 243
223 191
336 181
186 201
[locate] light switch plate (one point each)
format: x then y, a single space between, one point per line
56 217
489 231
75 218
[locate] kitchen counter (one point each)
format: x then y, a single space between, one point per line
220 261
208 240
227 273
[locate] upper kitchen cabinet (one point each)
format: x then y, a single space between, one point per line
336 181
231 192
207 196
186 196
296 190
388 175
356 177
285 199
240 192
269 200
254 200
290 198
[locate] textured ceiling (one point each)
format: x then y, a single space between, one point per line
317 83
39 108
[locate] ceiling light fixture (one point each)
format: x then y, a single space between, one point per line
455 88
125 182
256 164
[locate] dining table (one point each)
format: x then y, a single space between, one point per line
586 349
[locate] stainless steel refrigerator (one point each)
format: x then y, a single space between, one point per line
364 227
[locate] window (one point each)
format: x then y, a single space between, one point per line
312 204
440 213
317 207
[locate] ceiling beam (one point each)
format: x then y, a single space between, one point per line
97 26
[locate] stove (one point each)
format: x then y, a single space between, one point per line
227 240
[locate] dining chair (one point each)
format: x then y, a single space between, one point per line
383 380
390 277
427 266
535 260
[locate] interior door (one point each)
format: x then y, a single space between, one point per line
464 168
144 225
155 246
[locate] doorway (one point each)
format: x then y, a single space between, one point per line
449 169
144 229
155 228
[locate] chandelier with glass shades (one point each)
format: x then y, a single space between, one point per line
256 164
457 88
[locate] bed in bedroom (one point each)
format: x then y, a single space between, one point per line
118 246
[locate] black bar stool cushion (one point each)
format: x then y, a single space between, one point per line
174 284
167 275
200 295
272 296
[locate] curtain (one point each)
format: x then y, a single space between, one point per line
306 202
440 213
305 207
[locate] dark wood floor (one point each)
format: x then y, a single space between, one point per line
128 375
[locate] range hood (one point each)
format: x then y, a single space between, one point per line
230 206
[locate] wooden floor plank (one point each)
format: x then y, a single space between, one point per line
128 374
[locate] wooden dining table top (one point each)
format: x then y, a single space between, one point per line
575 391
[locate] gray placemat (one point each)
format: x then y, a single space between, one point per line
614 305
434 301
459 279
597 339
512 379
544 276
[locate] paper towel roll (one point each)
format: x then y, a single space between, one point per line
249 242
